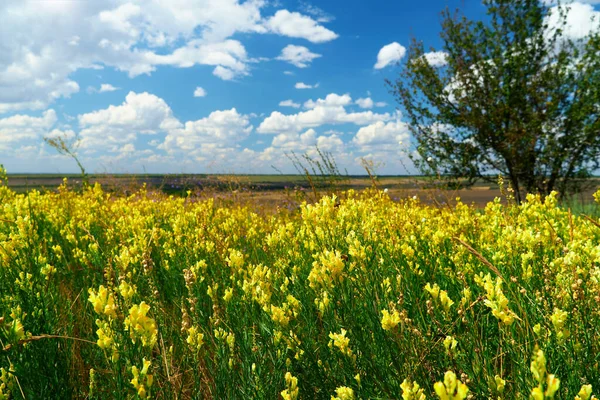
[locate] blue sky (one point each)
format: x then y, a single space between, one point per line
217 86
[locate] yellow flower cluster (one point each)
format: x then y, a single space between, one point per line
559 319
195 338
495 298
103 301
389 321
142 380
342 343
412 391
451 388
343 393
243 295
548 384
291 391
440 295
7 383
327 270
140 326
585 393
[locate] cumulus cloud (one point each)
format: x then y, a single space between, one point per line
381 136
50 40
302 85
19 128
140 113
229 57
318 13
113 133
582 19
295 141
388 54
296 25
305 143
299 56
107 87
104 87
331 100
289 103
199 92
551 2
436 58
365 102
330 110
224 73
220 130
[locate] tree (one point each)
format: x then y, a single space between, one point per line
513 95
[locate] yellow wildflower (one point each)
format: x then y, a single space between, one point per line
228 294
279 316
500 383
538 369
340 341
559 319
451 388
195 339
450 344
103 301
390 321
585 393
140 326
495 298
126 290
412 391
142 381
343 393
292 390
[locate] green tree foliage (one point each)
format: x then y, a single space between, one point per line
516 96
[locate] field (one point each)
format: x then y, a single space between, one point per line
358 295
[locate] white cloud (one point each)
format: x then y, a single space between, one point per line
219 131
381 136
289 103
330 143
551 2
317 12
224 73
299 56
321 112
50 40
288 73
436 58
380 104
112 133
296 25
117 139
581 20
388 54
302 85
199 92
140 113
19 128
365 102
301 143
295 141
229 57
331 100
107 87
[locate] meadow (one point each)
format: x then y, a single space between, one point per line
353 296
